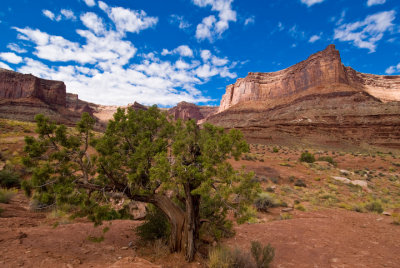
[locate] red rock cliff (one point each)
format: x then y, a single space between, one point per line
15 85
320 69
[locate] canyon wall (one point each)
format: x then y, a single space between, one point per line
15 85
321 69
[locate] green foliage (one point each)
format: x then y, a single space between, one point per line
142 156
9 179
275 149
307 157
155 227
262 255
374 206
6 195
300 183
327 159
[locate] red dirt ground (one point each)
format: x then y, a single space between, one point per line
326 238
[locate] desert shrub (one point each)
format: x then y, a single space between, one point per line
327 159
263 256
264 201
358 208
307 157
223 257
155 227
9 179
286 216
6 195
300 183
300 207
396 219
374 206
275 149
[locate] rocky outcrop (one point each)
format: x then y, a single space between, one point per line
185 110
22 96
317 101
15 85
319 70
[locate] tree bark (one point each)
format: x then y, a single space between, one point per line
191 223
176 218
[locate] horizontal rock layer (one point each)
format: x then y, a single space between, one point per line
15 85
319 70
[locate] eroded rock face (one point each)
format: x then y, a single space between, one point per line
185 111
317 101
15 85
319 70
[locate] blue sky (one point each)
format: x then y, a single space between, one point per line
162 52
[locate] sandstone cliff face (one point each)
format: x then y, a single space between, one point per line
319 70
317 101
14 85
185 111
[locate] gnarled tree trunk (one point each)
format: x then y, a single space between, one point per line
176 218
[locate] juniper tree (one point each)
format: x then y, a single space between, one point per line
143 156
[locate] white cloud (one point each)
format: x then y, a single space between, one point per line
366 33
280 26
68 14
180 21
311 2
127 20
375 2
205 55
10 57
16 48
64 13
105 68
5 66
314 38
250 20
210 27
393 69
48 14
90 3
183 50
93 22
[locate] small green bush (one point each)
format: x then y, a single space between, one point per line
300 183
9 179
262 255
6 195
374 206
264 201
307 157
327 159
155 227
223 257
275 149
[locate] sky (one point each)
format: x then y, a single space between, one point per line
115 52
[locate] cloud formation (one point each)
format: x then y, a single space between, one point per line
10 57
106 68
368 32
375 2
180 21
212 27
311 2
90 3
393 69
